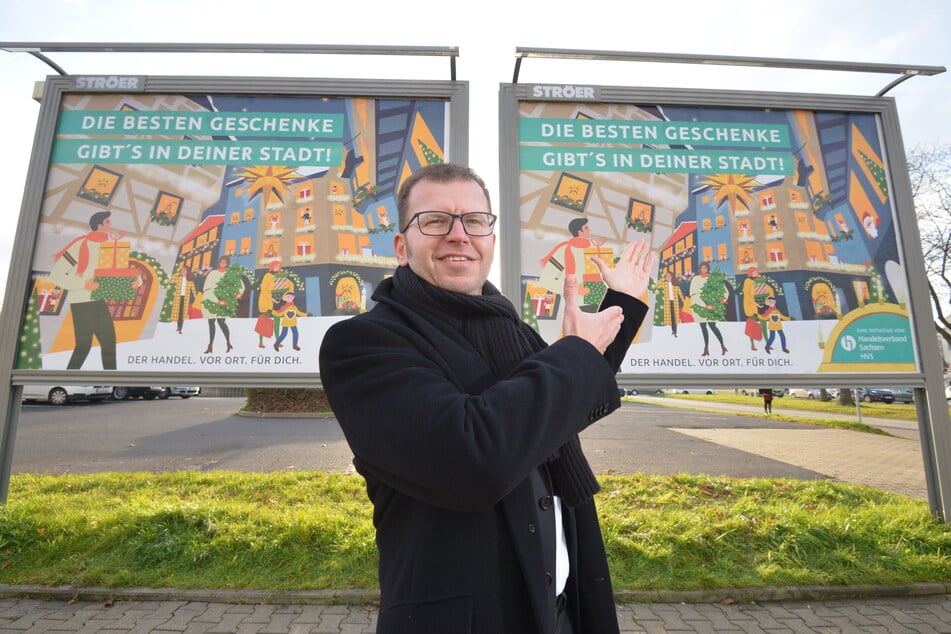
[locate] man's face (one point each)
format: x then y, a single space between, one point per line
457 261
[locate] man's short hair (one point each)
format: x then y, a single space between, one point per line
440 173
576 225
96 220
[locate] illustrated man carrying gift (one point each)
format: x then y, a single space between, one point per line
74 270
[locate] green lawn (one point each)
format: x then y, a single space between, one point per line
313 530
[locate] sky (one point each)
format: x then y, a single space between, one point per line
869 31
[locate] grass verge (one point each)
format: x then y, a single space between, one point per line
894 411
313 530
837 423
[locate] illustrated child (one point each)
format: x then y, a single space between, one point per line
289 314
774 322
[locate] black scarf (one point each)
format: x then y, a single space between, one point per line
491 324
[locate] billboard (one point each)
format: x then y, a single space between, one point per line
776 222
216 232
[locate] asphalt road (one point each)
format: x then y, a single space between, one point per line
207 433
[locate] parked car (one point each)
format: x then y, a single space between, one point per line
812 392
123 392
804 392
690 390
184 392
63 394
904 394
876 395
634 391
947 393
755 391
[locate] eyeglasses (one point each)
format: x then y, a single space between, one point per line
439 223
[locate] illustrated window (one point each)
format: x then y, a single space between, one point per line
100 185
640 215
571 192
166 208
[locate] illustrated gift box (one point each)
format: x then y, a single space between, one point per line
592 275
591 271
282 284
113 274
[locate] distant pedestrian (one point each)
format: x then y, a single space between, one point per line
767 394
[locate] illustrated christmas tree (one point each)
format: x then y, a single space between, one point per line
658 303
528 312
712 293
29 350
877 172
165 315
429 154
227 289
876 293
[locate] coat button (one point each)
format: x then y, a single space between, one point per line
545 502
531 528
548 578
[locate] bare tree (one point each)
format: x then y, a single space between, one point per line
929 169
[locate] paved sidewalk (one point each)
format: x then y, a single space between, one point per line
892 463
929 613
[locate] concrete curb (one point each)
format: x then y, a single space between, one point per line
98 593
247 414
356 596
780 593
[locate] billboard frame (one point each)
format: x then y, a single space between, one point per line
455 94
933 421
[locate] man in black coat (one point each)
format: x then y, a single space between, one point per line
465 423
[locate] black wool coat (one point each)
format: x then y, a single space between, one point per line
447 450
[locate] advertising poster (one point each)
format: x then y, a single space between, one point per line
216 232
775 233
